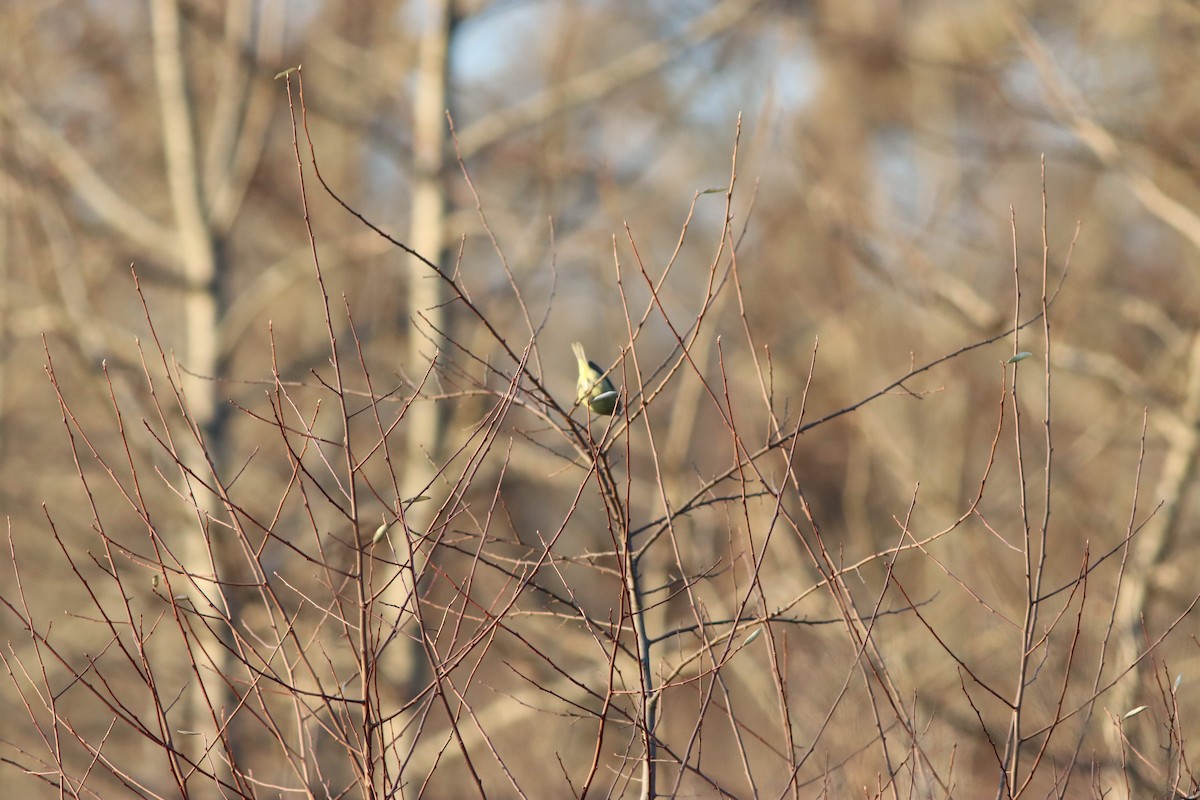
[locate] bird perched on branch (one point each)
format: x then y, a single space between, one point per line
594 386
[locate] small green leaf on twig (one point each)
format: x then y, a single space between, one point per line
382 530
288 72
1024 354
715 190
752 637
1134 712
1178 680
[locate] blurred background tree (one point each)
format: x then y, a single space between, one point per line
886 150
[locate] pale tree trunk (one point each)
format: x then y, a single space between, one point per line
200 544
407 667
1144 572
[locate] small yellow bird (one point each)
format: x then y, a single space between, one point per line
594 386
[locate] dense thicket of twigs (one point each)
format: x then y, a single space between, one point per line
894 504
